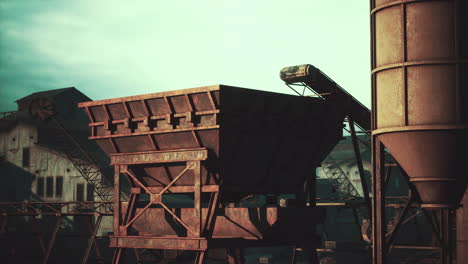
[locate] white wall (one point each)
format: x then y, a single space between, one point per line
43 163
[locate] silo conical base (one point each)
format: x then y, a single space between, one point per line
434 162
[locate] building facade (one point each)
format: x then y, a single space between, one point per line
38 152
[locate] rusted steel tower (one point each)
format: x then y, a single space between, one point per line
420 115
216 145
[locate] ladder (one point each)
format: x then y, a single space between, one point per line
343 185
84 163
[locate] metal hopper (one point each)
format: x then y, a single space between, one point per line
259 142
215 145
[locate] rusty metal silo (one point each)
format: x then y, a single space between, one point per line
420 93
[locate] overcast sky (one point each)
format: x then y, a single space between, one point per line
112 48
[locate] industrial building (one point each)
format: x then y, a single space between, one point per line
223 174
46 162
28 146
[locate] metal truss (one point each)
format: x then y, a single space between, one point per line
56 208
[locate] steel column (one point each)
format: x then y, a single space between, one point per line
92 239
196 168
378 202
200 258
390 238
39 235
117 208
447 237
357 153
117 255
52 240
117 212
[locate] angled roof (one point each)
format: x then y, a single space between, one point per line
48 93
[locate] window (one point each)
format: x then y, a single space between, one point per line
58 186
49 186
90 192
80 192
25 157
40 187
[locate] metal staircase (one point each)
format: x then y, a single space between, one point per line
84 163
342 184
44 109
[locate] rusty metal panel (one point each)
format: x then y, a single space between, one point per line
381 2
430 30
159 157
247 223
388 31
429 102
232 223
433 159
390 101
158 242
254 138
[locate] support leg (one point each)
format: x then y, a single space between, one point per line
99 257
117 255
211 215
92 240
200 259
196 167
446 232
117 209
378 191
52 240
39 235
357 153
400 216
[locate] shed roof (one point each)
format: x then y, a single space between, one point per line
48 93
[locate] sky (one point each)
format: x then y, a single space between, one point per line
114 48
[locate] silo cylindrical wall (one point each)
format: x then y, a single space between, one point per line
420 90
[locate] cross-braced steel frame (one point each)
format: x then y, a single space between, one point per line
86 209
383 237
197 233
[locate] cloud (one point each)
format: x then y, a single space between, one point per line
112 48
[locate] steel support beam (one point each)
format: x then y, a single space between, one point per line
92 239
52 240
357 153
117 255
39 235
378 202
200 258
447 236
